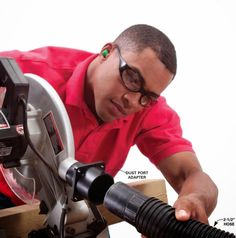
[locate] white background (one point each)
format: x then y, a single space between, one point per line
203 92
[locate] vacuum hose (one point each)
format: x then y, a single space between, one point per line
154 218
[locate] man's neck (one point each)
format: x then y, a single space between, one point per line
88 90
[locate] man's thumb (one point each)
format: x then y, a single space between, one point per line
182 215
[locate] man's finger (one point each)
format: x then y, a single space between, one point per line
182 215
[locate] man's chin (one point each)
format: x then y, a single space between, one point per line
108 118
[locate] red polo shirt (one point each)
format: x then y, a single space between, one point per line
155 130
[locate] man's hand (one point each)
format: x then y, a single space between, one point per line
197 192
190 206
187 207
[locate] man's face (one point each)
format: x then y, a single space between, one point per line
111 98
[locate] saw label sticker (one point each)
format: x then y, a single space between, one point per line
53 133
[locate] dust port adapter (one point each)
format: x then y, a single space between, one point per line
89 181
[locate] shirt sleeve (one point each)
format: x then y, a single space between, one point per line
40 62
161 133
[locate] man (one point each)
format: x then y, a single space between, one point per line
113 101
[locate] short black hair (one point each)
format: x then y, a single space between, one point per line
141 36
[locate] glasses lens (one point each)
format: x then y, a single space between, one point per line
132 80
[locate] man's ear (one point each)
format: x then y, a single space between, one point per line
106 50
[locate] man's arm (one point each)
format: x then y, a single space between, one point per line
197 192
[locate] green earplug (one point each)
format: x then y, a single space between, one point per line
105 53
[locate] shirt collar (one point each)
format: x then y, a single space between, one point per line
75 85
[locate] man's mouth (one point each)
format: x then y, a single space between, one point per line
119 108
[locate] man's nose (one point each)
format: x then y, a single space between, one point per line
131 99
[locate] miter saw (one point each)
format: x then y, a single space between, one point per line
38 162
37 156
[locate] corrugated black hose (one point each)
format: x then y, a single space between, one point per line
154 218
